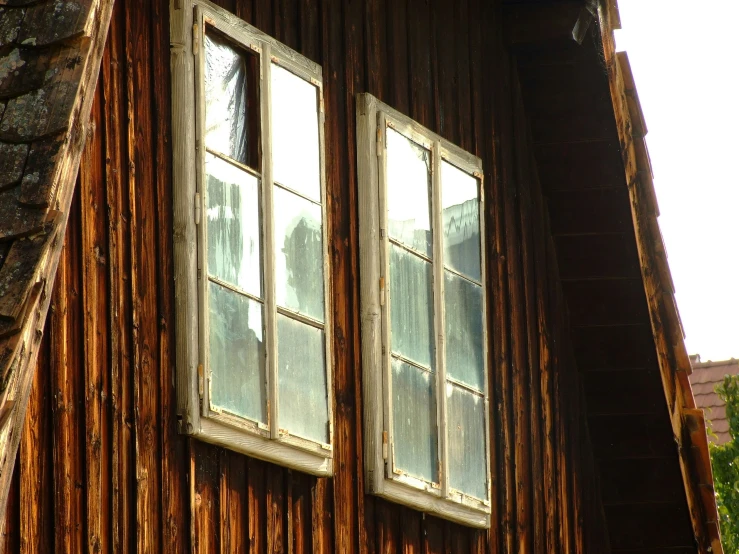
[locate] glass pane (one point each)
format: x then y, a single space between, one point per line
231 100
411 306
232 213
464 312
461 220
414 422
467 439
299 254
237 357
408 190
295 133
303 405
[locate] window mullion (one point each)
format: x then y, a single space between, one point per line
438 266
270 306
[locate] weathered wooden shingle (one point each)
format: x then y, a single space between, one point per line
12 161
23 70
19 272
50 22
38 187
10 20
17 220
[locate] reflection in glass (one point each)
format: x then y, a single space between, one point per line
295 133
303 406
237 357
461 220
232 213
229 78
408 191
299 254
414 421
411 306
464 319
467 440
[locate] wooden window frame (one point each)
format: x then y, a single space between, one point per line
188 21
381 478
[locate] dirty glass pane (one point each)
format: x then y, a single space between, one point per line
461 220
295 140
231 100
299 254
466 436
408 190
232 215
303 406
411 306
464 317
414 421
237 355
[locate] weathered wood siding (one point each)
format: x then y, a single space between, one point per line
101 466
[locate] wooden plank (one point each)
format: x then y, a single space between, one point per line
95 310
144 316
606 302
566 166
119 292
276 514
321 517
65 361
173 445
257 493
462 53
520 382
376 39
433 535
11 540
410 525
420 46
233 502
300 510
446 76
662 525
397 71
205 499
35 463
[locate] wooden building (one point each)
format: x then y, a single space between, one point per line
705 378
592 440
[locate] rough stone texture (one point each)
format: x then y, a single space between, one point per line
51 22
10 19
12 161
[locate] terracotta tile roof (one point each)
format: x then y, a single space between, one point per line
706 376
50 52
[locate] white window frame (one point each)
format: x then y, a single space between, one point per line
188 21
381 478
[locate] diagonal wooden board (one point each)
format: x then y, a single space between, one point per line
50 57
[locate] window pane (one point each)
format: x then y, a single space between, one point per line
299 254
466 435
231 100
414 421
408 190
464 312
295 133
237 357
411 306
461 220
233 225
303 405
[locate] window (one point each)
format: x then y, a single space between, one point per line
259 380
423 318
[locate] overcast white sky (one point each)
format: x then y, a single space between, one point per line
684 58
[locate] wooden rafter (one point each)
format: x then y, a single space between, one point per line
50 54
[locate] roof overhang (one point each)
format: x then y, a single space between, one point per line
588 130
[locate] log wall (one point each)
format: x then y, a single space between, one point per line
101 467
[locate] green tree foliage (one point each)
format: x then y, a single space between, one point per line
725 462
